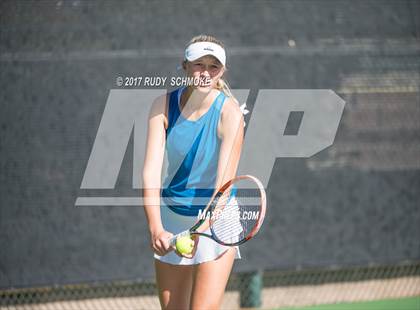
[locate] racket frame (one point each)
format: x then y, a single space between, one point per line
209 210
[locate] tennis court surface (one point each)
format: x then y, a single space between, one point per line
391 304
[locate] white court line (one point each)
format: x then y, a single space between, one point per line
302 48
138 201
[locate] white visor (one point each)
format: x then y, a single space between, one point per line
200 49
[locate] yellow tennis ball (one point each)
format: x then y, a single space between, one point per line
184 245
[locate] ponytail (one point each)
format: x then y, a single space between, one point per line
223 86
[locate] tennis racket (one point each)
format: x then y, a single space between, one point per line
234 214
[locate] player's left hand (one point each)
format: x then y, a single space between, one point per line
191 255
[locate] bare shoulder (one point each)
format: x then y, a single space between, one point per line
231 111
158 109
158 105
231 117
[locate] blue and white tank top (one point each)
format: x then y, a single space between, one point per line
192 151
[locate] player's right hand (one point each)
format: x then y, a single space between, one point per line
159 242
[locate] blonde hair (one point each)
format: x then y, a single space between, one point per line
222 84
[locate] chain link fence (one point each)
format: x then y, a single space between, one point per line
260 289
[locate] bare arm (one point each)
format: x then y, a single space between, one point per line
155 151
231 131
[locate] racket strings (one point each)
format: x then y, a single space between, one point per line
234 220
221 200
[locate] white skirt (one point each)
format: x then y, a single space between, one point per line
207 249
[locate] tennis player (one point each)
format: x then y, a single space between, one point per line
201 128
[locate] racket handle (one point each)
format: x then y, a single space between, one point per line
172 241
